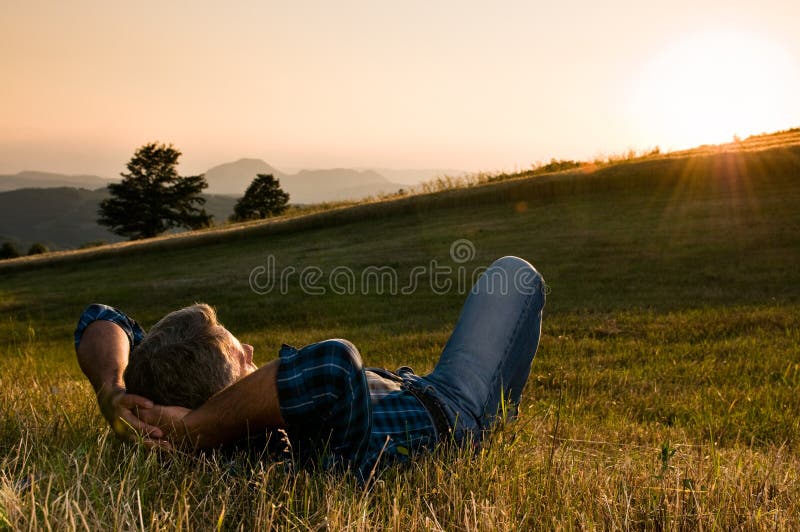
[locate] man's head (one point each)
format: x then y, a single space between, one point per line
186 358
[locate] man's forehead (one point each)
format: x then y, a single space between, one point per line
230 338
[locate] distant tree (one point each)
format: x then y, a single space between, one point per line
37 249
152 197
264 197
92 244
8 251
558 165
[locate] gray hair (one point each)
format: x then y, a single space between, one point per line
183 360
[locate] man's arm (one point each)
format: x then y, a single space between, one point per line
246 407
103 351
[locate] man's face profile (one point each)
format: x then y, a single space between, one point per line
241 355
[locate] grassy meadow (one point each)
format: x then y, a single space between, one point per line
665 393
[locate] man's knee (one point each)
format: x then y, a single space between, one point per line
517 274
512 264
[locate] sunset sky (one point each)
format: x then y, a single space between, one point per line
412 84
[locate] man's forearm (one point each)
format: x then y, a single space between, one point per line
103 355
248 406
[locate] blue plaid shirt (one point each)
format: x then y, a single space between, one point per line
333 407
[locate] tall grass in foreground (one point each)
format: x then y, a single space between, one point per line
524 479
603 440
522 483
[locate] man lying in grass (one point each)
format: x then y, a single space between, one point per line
329 405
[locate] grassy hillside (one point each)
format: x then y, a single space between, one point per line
665 392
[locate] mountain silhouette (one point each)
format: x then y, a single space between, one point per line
306 186
61 210
32 179
233 178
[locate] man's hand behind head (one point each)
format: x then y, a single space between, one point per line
169 421
120 410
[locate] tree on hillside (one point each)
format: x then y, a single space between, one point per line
264 197
8 251
37 248
152 197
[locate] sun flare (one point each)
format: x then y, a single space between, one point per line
707 87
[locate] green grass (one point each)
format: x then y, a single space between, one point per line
664 394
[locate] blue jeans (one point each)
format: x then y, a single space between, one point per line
488 357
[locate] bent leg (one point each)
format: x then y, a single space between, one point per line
488 357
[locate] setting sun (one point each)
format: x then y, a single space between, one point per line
709 86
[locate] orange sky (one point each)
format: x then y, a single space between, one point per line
413 84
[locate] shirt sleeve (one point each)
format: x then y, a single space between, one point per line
324 399
97 311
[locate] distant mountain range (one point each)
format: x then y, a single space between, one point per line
306 186
60 210
30 179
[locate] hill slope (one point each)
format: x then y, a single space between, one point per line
669 208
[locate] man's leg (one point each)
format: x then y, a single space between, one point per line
488 357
